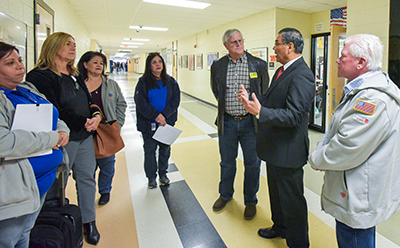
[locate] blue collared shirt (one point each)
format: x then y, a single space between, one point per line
358 81
43 166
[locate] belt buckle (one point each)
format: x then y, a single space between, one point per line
240 118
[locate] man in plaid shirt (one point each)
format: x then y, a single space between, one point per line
235 124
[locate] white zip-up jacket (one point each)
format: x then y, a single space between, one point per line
361 155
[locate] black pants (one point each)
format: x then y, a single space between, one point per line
288 205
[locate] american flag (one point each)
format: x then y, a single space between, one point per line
339 16
365 107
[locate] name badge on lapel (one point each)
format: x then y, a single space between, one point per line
253 75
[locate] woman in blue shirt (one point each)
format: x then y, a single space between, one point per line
24 180
157 98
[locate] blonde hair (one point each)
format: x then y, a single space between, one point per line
50 47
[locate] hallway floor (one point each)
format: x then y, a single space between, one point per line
181 214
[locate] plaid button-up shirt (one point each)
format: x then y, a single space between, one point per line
238 73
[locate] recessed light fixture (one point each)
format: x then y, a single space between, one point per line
131 43
134 39
180 3
126 46
148 28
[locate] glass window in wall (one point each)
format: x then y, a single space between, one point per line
13 32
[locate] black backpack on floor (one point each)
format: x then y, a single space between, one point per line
59 224
58 227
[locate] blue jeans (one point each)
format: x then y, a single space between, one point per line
348 237
150 162
236 132
15 231
106 174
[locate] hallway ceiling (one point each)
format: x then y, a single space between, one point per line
108 21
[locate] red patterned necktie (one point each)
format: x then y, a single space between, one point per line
279 73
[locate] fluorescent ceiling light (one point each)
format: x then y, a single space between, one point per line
180 3
148 28
126 46
131 43
119 55
134 39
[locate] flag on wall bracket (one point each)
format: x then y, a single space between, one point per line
339 16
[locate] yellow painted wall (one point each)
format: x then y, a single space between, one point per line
131 65
259 30
322 17
65 19
371 17
299 20
142 63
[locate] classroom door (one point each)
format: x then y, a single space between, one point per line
319 66
44 25
338 36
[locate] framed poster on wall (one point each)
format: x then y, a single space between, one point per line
199 61
191 62
211 57
185 61
261 53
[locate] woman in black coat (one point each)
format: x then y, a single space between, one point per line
157 98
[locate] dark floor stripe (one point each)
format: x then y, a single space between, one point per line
172 167
213 135
193 226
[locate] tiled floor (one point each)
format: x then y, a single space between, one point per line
181 215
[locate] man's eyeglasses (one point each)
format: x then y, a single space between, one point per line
279 44
236 42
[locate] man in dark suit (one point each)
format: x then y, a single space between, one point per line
282 138
235 124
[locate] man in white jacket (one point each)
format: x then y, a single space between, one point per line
359 152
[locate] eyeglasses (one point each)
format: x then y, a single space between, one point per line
236 42
279 44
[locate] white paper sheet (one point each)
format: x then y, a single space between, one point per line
35 118
166 134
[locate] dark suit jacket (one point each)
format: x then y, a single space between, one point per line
282 138
259 80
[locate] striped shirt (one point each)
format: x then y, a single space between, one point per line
355 83
238 73
358 81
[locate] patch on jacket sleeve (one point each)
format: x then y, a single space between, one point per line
253 75
361 119
365 107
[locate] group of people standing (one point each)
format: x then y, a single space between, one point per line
79 97
268 119
270 122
